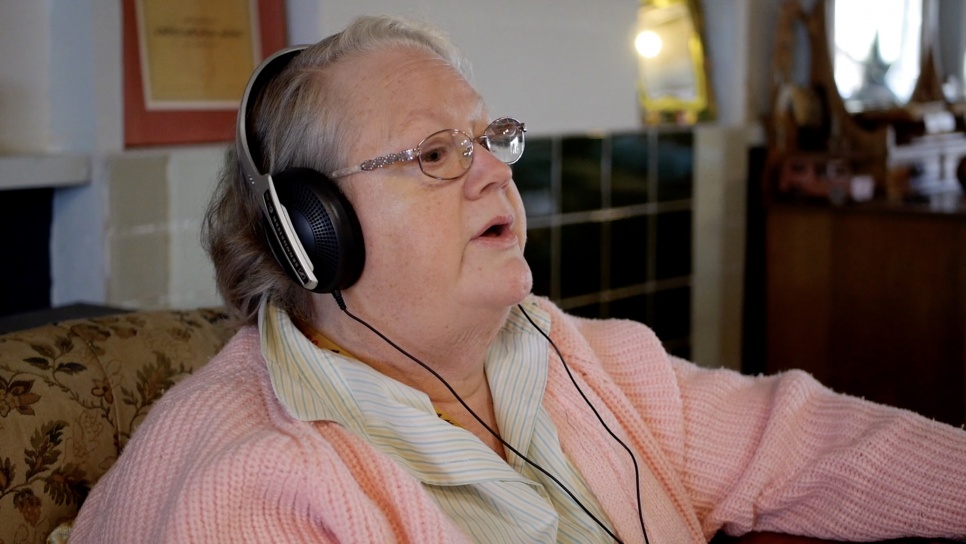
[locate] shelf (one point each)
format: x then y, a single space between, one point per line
38 171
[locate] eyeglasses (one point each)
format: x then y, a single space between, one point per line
448 154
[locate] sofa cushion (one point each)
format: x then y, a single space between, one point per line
72 394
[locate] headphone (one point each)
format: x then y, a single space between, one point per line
311 227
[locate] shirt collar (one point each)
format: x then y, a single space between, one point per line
315 384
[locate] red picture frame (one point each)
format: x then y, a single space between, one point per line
143 127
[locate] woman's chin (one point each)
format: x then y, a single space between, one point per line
524 286
511 289
497 283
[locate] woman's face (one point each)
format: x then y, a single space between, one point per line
431 246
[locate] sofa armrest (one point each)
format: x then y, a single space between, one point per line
71 395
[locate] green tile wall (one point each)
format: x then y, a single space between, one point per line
610 226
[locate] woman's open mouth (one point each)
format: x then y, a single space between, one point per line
494 231
498 231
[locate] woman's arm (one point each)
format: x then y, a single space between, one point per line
783 453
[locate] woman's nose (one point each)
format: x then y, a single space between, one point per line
486 171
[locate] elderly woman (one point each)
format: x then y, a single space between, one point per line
395 381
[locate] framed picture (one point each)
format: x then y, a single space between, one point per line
186 64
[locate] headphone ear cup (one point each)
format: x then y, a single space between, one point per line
325 224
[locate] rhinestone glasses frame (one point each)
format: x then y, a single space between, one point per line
412 154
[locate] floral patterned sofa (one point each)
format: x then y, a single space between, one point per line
71 394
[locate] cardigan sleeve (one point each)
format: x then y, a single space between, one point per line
783 453
218 460
165 489
248 496
285 490
775 453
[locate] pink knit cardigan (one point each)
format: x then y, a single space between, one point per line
219 460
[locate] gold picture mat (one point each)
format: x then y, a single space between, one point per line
196 55
183 86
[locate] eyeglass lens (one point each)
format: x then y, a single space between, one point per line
448 154
506 139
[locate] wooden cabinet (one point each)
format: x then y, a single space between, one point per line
872 301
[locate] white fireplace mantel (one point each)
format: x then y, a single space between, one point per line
38 171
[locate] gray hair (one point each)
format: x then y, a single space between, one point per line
298 122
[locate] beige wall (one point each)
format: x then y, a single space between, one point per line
720 187
155 205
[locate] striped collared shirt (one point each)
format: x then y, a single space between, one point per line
493 500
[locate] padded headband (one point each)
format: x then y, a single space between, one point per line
264 73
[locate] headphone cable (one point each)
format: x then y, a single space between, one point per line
637 473
338 297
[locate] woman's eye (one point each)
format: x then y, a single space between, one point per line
433 154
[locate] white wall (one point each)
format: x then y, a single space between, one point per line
562 66
24 82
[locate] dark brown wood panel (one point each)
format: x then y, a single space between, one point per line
871 303
797 291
